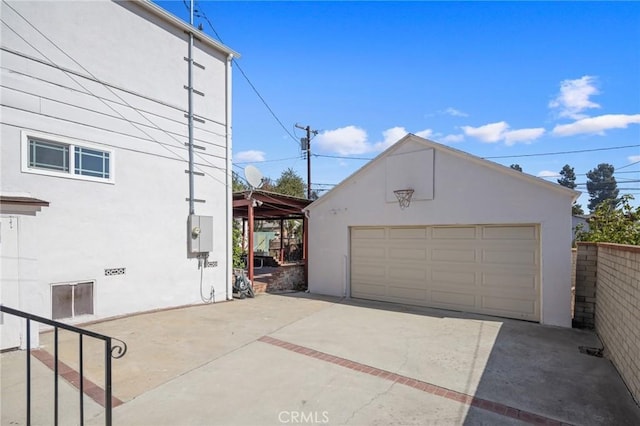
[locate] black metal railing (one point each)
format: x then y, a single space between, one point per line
110 350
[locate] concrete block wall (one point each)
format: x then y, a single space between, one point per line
617 318
574 256
586 272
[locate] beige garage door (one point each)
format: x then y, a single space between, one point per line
486 269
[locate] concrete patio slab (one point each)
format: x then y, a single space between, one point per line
294 358
13 401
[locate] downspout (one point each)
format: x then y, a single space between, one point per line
229 179
190 107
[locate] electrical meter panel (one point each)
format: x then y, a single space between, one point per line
200 234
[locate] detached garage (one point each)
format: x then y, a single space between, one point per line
474 236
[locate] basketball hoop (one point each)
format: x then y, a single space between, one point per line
404 197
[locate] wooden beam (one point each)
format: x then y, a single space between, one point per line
250 248
305 249
281 240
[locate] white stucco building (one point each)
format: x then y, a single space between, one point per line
476 237
94 181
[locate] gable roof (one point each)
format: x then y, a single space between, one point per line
174 20
457 153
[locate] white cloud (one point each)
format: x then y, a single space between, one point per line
352 140
452 138
489 133
455 112
548 173
596 125
344 141
633 158
426 133
249 156
500 131
390 136
522 135
574 95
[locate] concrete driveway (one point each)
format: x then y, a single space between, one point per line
298 359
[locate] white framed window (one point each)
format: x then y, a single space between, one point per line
69 300
57 156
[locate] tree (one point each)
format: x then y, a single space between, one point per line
268 185
613 225
237 185
602 186
289 183
516 167
568 179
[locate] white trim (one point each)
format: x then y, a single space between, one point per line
177 22
25 135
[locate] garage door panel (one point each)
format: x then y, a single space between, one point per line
454 232
454 277
408 233
368 289
368 271
509 257
371 252
508 281
408 294
368 233
509 233
407 254
511 307
452 299
454 255
490 269
415 275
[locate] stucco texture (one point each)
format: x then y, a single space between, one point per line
466 190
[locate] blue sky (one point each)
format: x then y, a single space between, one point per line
492 79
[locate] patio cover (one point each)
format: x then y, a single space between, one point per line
265 205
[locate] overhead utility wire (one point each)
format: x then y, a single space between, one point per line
96 79
201 14
563 152
506 156
104 85
267 161
628 165
584 174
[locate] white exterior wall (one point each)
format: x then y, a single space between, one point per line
140 220
465 192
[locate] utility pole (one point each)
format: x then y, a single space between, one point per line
308 150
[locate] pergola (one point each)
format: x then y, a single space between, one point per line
264 205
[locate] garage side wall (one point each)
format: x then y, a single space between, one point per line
465 193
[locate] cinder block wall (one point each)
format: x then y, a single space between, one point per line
574 256
617 317
585 285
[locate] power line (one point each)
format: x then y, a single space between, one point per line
584 174
104 85
201 14
268 161
628 165
563 152
342 157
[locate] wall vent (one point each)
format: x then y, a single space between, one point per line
115 271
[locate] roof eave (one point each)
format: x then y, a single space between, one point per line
174 20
